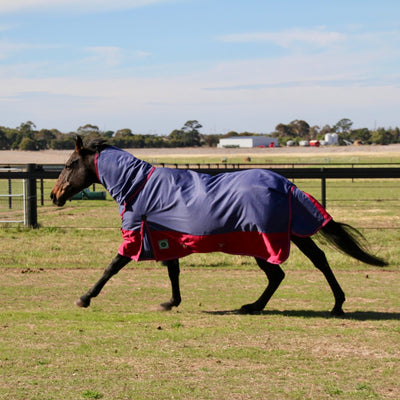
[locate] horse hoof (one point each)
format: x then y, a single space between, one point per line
337 312
165 307
248 309
82 303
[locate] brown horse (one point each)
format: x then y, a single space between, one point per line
81 170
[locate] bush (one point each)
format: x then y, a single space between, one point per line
27 144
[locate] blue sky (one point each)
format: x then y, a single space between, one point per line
152 65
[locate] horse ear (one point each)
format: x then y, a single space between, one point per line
78 144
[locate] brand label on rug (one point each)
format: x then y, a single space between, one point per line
163 244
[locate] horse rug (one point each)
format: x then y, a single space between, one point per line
171 213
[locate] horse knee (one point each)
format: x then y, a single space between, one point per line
279 274
273 271
276 276
320 261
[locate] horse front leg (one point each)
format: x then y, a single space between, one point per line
173 273
113 268
275 276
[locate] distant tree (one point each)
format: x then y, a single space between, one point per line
43 138
123 133
300 128
27 144
284 130
191 139
284 139
248 134
175 138
191 134
393 134
153 141
211 140
187 136
26 129
3 140
325 129
382 136
192 125
108 134
128 141
344 125
88 129
230 134
362 134
119 142
314 132
396 135
137 141
14 137
57 134
66 142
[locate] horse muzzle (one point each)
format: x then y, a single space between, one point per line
57 198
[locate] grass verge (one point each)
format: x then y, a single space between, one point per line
121 348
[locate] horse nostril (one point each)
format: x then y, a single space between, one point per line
53 197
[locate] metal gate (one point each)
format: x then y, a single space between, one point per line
12 199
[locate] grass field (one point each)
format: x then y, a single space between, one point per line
122 348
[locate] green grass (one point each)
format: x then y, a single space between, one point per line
122 348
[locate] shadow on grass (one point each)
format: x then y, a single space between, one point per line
356 315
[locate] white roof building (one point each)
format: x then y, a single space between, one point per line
247 141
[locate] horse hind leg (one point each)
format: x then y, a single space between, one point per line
318 258
275 276
173 273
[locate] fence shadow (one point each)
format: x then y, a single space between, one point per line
355 315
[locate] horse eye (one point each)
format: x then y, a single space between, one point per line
71 164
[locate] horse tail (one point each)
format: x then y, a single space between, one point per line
350 241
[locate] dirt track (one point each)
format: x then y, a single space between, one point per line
60 156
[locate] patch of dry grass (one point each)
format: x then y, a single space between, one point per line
121 348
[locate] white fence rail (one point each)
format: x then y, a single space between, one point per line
12 200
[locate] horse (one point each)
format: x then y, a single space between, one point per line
168 214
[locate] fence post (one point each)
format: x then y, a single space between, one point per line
323 191
10 193
41 192
31 198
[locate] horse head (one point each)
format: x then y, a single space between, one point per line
79 173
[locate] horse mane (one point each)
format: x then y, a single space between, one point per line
97 145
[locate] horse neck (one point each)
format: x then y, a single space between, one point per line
90 165
121 173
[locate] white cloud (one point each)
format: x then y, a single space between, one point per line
287 38
111 56
339 80
78 6
7 48
107 55
320 89
351 60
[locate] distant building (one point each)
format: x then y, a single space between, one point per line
248 141
332 138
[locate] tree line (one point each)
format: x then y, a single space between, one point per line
27 137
